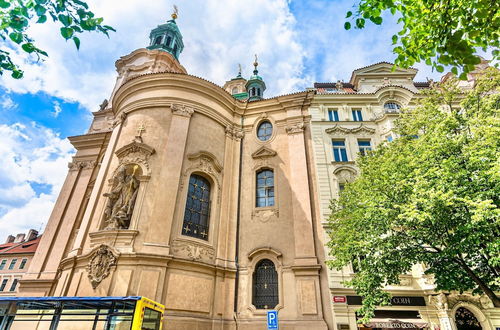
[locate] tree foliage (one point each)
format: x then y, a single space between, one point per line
16 16
431 198
440 32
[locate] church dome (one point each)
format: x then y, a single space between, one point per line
167 37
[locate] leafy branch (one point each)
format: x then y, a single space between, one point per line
17 15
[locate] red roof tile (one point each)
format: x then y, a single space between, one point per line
20 248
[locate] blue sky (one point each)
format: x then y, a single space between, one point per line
299 42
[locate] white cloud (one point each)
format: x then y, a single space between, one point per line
57 109
29 155
7 103
218 34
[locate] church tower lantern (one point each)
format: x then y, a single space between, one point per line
167 37
255 86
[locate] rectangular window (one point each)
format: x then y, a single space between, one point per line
339 151
333 115
13 286
4 283
264 188
12 264
341 187
23 263
364 146
356 115
2 264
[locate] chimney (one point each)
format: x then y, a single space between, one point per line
10 239
19 238
32 234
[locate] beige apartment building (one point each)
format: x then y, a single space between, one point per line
16 255
347 119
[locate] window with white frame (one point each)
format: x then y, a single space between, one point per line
14 285
356 115
23 263
333 115
264 188
4 283
12 264
364 146
339 150
392 106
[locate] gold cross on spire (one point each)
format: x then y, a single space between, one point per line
175 13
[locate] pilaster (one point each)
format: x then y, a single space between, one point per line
157 241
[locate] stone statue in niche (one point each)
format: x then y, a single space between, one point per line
121 198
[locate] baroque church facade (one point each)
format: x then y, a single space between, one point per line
213 200
191 197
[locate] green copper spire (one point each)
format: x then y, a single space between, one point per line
255 86
167 37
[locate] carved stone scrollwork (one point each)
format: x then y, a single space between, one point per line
81 165
137 153
344 131
454 299
234 132
267 215
295 128
120 119
193 251
100 264
182 110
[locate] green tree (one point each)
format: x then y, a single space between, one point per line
430 198
439 32
16 16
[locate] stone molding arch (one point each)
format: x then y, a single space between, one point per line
262 118
400 95
345 174
476 310
254 257
135 153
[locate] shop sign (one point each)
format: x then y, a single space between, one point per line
396 325
340 299
395 301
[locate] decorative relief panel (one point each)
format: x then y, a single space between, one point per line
193 251
295 128
266 215
101 262
345 174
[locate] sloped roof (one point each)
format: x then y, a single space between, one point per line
26 247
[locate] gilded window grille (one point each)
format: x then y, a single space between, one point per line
265 285
197 211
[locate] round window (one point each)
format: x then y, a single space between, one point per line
264 131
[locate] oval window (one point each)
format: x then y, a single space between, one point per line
265 131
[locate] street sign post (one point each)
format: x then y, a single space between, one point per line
272 320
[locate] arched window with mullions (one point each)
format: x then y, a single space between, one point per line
264 188
265 285
197 212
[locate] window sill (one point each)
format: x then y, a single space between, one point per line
349 162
